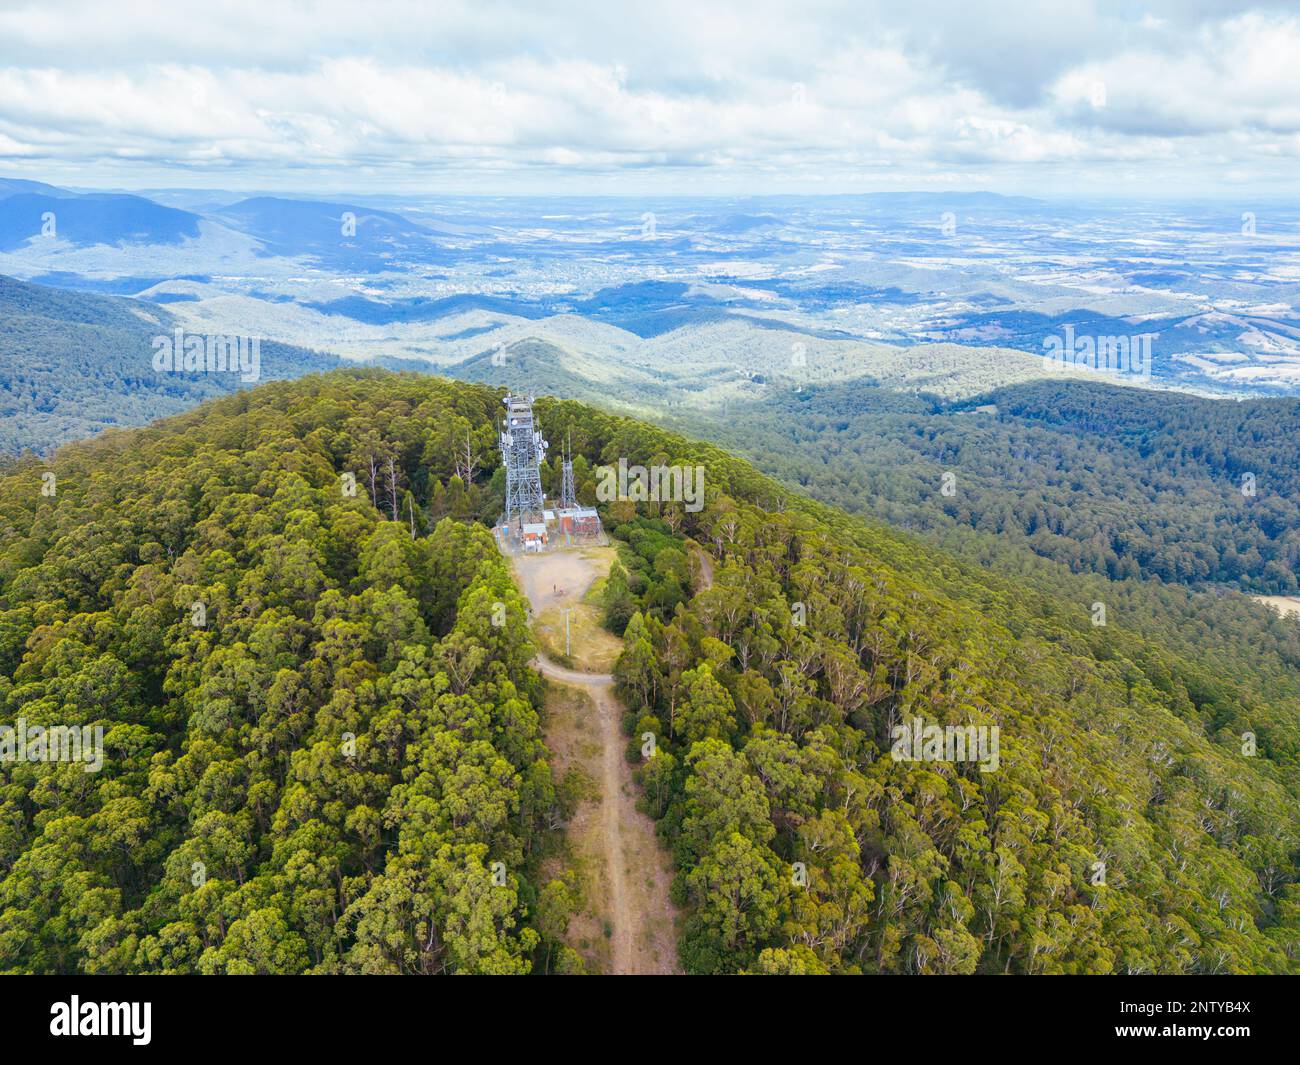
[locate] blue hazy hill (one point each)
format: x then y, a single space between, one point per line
15 186
320 230
94 218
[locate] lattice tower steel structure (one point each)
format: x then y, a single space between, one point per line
568 494
522 451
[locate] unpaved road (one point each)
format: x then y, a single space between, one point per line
636 870
706 569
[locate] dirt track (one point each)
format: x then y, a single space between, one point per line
636 870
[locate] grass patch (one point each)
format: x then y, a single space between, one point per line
593 648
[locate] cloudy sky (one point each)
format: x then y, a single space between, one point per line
702 96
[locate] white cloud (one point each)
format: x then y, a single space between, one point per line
763 92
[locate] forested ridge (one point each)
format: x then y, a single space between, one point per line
73 363
1127 830
1123 482
349 744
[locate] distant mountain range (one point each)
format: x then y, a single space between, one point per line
374 278
333 233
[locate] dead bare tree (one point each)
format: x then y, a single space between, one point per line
373 476
467 463
392 485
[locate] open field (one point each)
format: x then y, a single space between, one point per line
1286 605
571 580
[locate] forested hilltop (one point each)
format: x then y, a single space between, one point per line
321 752
340 769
